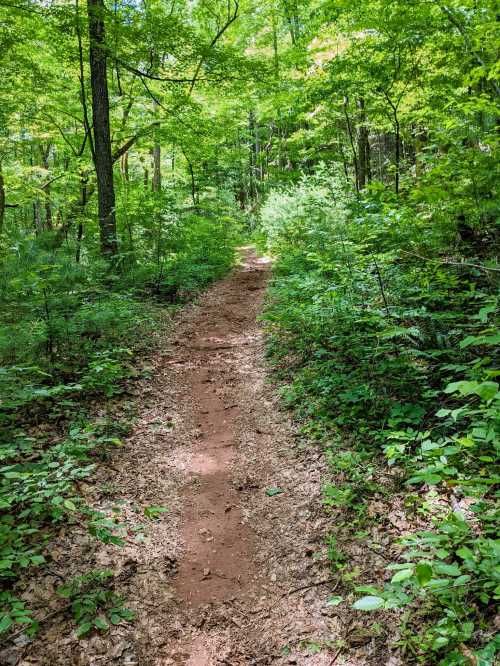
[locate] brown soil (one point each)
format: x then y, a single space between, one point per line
229 575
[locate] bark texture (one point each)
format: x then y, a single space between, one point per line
102 137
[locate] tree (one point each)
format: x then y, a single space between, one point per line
102 156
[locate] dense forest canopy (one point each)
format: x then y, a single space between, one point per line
245 95
357 140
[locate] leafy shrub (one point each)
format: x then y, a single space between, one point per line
68 333
393 354
93 605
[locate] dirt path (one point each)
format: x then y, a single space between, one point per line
229 574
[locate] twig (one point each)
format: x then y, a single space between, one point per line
336 655
381 285
217 347
453 263
10 639
310 585
377 552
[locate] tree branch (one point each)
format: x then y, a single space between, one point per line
231 18
454 21
481 267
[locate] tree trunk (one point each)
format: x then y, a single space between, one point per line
351 139
124 167
2 199
364 172
79 236
397 132
397 158
253 155
420 139
193 185
258 159
37 219
46 189
102 137
156 181
368 158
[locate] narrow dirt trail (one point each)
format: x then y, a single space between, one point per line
226 585
229 574
219 544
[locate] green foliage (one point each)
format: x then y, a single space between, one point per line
382 311
154 511
394 355
37 492
93 604
68 335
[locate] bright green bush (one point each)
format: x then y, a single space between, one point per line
393 355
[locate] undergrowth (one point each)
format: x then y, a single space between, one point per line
385 343
69 335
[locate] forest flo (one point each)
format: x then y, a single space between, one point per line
249 398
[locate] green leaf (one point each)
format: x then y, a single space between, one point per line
369 603
478 340
69 505
404 574
440 642
487 390
461 580
447 569
430 446
101 624
423 572
154 511
5 623
83 629
38 559
271 492
334 601
127 614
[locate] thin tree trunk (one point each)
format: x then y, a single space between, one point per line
420 137
398 152
37 219
364 174
102 136
46 189
397 128
253 154
351 139
156 181
258 162
368 157
291 19
2 199
193 185
124 167
79 234
275 46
